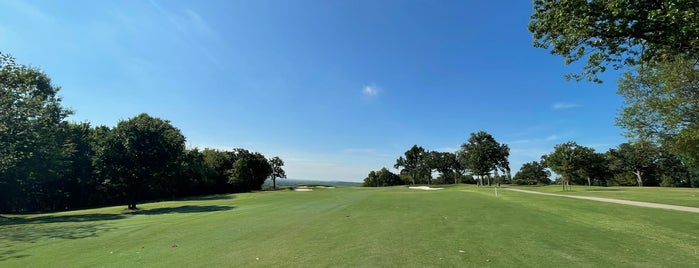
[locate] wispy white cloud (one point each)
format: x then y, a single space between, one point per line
564 105
193 29
549 138
552 138
28 10
370 90
359 151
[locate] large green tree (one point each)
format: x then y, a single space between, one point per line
568 160
639 158
381 178
445 163
31 135
141 154
532 173
250 170
277 165
482 154
662 105
615 32
414 164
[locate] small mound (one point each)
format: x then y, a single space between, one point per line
424 188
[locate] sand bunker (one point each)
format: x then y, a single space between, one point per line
424 188
303 189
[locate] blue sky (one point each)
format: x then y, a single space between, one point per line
335 88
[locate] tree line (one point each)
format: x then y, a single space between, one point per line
48 163
480 160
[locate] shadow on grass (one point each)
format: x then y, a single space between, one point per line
95 217
33 229
64 218
210 197
32 233
181 209
604 190
7 254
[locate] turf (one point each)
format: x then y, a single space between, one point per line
352 227
672 196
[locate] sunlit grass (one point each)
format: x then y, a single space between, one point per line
460 226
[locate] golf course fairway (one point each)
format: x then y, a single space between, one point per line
459 226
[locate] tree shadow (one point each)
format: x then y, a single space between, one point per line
604 190
181 209
6 254
210 197
32 233
32 229
63 218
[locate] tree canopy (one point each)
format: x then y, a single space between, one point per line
143 149
34 150
568 160
277 171
381 178
482 154
414 163
662 105
532 173
615 32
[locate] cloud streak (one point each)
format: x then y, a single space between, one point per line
193 29
564 105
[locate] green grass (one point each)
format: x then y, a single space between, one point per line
459 226
672 196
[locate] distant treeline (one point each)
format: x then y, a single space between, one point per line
48 163
638 163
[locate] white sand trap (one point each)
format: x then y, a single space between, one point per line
303 189
424 188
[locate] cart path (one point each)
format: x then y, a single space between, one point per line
617 201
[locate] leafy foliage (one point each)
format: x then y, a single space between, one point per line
381 178
615 32
662 105
250 170
569 160
414 164
482 154
143 151
277 171
33 149
532 173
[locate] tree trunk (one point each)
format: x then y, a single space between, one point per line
638 174
588 182
274 183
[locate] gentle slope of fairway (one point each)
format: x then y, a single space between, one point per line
380 227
